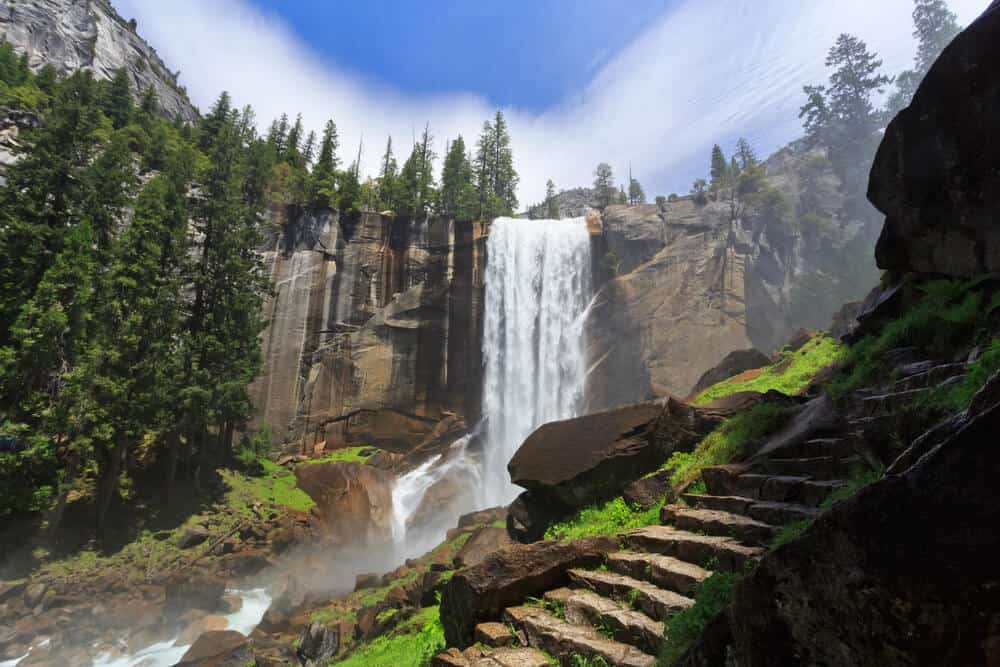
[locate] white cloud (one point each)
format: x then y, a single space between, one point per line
704 72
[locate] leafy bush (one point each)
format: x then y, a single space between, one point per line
608 518
726 443
684 628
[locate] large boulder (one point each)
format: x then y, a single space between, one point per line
734 363
353 500
483 542
481 593
935 175
902 573
576 462
222 648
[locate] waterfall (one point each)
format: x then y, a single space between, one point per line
538 286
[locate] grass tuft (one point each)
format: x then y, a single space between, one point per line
414 642
608 518
684 628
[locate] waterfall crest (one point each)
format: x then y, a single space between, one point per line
538 285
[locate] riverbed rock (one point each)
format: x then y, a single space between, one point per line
223 648
935 174
197 592
480 593
210 623
353 500
482 543
192 537
318 643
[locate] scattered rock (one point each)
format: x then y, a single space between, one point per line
845 320
648 491
353 500
367 580
528 517
192 537
482 543
224 648
815 419
483 517
480 593
33 593
198 592
734 363
204 624
319 643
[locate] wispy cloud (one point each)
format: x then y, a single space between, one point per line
702 73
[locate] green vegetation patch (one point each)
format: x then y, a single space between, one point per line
412 644
726 443
790 374
608 518
684 628
276 485
348 454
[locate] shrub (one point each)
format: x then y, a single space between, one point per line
684 628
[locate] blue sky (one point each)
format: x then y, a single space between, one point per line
528 55
651 84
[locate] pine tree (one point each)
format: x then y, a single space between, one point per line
496 179
934 26
551 203
604 186
292 151
720 169
458 197
117 103
417 179
309 149
636 195
387 185
323 186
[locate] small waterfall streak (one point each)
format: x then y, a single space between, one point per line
409 491
538 285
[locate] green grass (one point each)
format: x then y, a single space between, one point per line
684 628
276 485
348 454
946 313
790 532
726 443
958 397
790 374
608 518
413 644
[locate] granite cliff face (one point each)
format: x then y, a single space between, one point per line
685 289
374 331
89 34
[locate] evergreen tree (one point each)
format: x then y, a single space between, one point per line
117 103
309 149
636 195
292 150
417 179
934 26
387 185
496 179
323 186
604 186
458 198
719 168
551 203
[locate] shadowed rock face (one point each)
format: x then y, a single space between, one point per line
935 176
373 334
71 35
353 500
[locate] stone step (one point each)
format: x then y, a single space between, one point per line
503 657
625 625
778 514
770 512
814 492
819 467
724 552
663 571
836 447
495 635
926 374
563 639
652 600
892 401
717 522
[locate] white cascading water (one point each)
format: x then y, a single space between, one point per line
538 285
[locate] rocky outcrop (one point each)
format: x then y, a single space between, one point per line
931 601
480 593
220 648
89 34
373 334
688 287
353 500
935 176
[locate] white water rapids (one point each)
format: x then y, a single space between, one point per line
537 287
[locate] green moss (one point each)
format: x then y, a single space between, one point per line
684 628
790 374
608 518
276 485
726 443
412 644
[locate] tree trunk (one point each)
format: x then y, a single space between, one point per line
107 484
173 455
